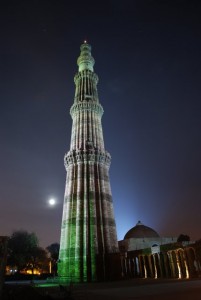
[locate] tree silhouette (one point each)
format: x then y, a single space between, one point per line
53 250
183 238
23 250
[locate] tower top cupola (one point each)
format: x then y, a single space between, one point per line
85 61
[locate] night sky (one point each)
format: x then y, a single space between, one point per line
148 59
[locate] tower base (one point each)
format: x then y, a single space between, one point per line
108 268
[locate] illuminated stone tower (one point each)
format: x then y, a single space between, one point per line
88 232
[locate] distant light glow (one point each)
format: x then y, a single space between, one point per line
85 41
52 202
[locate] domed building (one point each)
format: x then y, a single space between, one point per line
140 230
145 254
141 237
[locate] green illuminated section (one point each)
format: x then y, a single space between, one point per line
78 261
92 240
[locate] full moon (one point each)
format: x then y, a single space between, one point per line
52 202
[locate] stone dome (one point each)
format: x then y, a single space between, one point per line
141 231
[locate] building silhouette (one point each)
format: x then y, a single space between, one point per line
88 244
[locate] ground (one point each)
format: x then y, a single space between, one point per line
133 289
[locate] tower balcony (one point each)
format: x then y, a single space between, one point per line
86 105
87 156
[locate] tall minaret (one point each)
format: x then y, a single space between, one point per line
88 230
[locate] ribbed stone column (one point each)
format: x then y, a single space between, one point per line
88 230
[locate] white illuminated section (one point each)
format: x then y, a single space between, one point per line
52 202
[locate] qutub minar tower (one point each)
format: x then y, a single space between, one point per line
88 244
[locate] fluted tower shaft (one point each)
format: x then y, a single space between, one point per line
88 231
